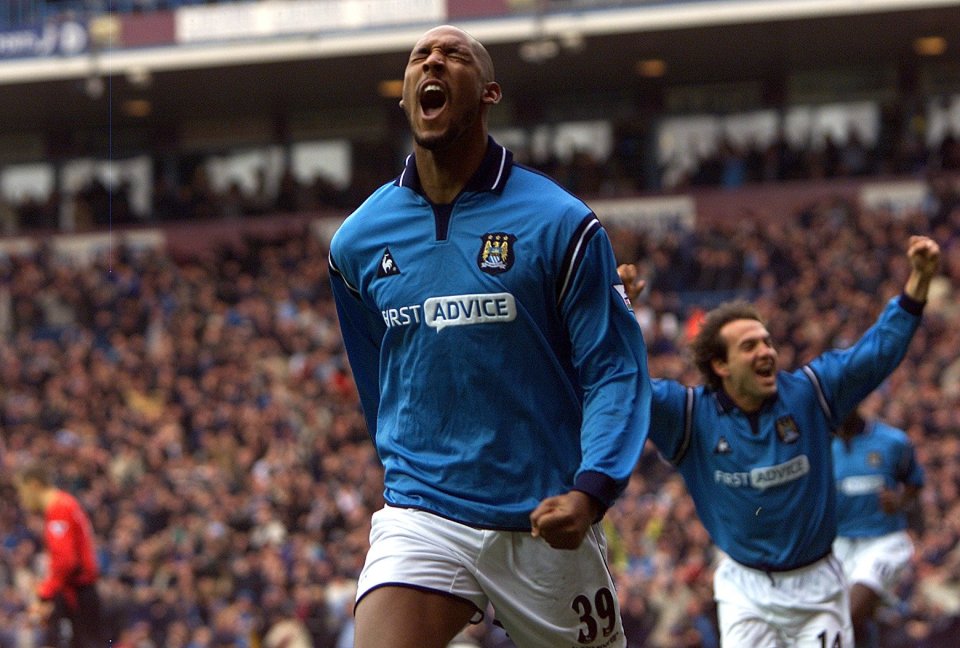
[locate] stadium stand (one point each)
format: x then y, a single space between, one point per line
178 359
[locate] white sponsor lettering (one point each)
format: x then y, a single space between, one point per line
766 477
460 310
861 485
781 474
734 479
401 316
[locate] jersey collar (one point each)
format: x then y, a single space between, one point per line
491 175
725 403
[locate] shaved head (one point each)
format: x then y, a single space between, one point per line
476 47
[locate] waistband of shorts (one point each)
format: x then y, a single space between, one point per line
778 569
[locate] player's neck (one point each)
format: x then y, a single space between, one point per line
748 403
445 171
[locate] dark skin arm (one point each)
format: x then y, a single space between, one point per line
924 255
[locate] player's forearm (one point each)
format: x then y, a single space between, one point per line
918 286
615 428
924 255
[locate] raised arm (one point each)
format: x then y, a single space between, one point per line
847 376
631 281
924 255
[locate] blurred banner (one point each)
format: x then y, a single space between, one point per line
65 38
656 215
900 198
272 19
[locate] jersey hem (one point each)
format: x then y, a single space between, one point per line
472 525
775 569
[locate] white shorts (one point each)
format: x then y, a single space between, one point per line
802 607
875 562
543 597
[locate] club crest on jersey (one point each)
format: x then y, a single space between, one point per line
496 252
787 429
387 267
723 447
874 460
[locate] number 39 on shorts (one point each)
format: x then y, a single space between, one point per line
598 617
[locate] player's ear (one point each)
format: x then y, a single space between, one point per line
492 93
719 366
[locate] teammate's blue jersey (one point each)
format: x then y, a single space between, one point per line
880 457
763 483
496 355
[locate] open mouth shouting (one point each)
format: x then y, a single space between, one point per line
433 97
765 371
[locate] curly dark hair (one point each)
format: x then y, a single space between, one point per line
708 344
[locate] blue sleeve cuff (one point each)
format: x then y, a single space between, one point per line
600 487
911 305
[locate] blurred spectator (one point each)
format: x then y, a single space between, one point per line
67 595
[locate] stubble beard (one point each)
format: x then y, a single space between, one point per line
437 141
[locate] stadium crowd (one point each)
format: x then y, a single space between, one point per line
202 411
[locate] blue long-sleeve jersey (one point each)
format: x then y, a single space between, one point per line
763 483
880 457
495 353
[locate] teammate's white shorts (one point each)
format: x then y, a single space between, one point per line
875 562
802 607
543 597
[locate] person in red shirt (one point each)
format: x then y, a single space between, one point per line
69 589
